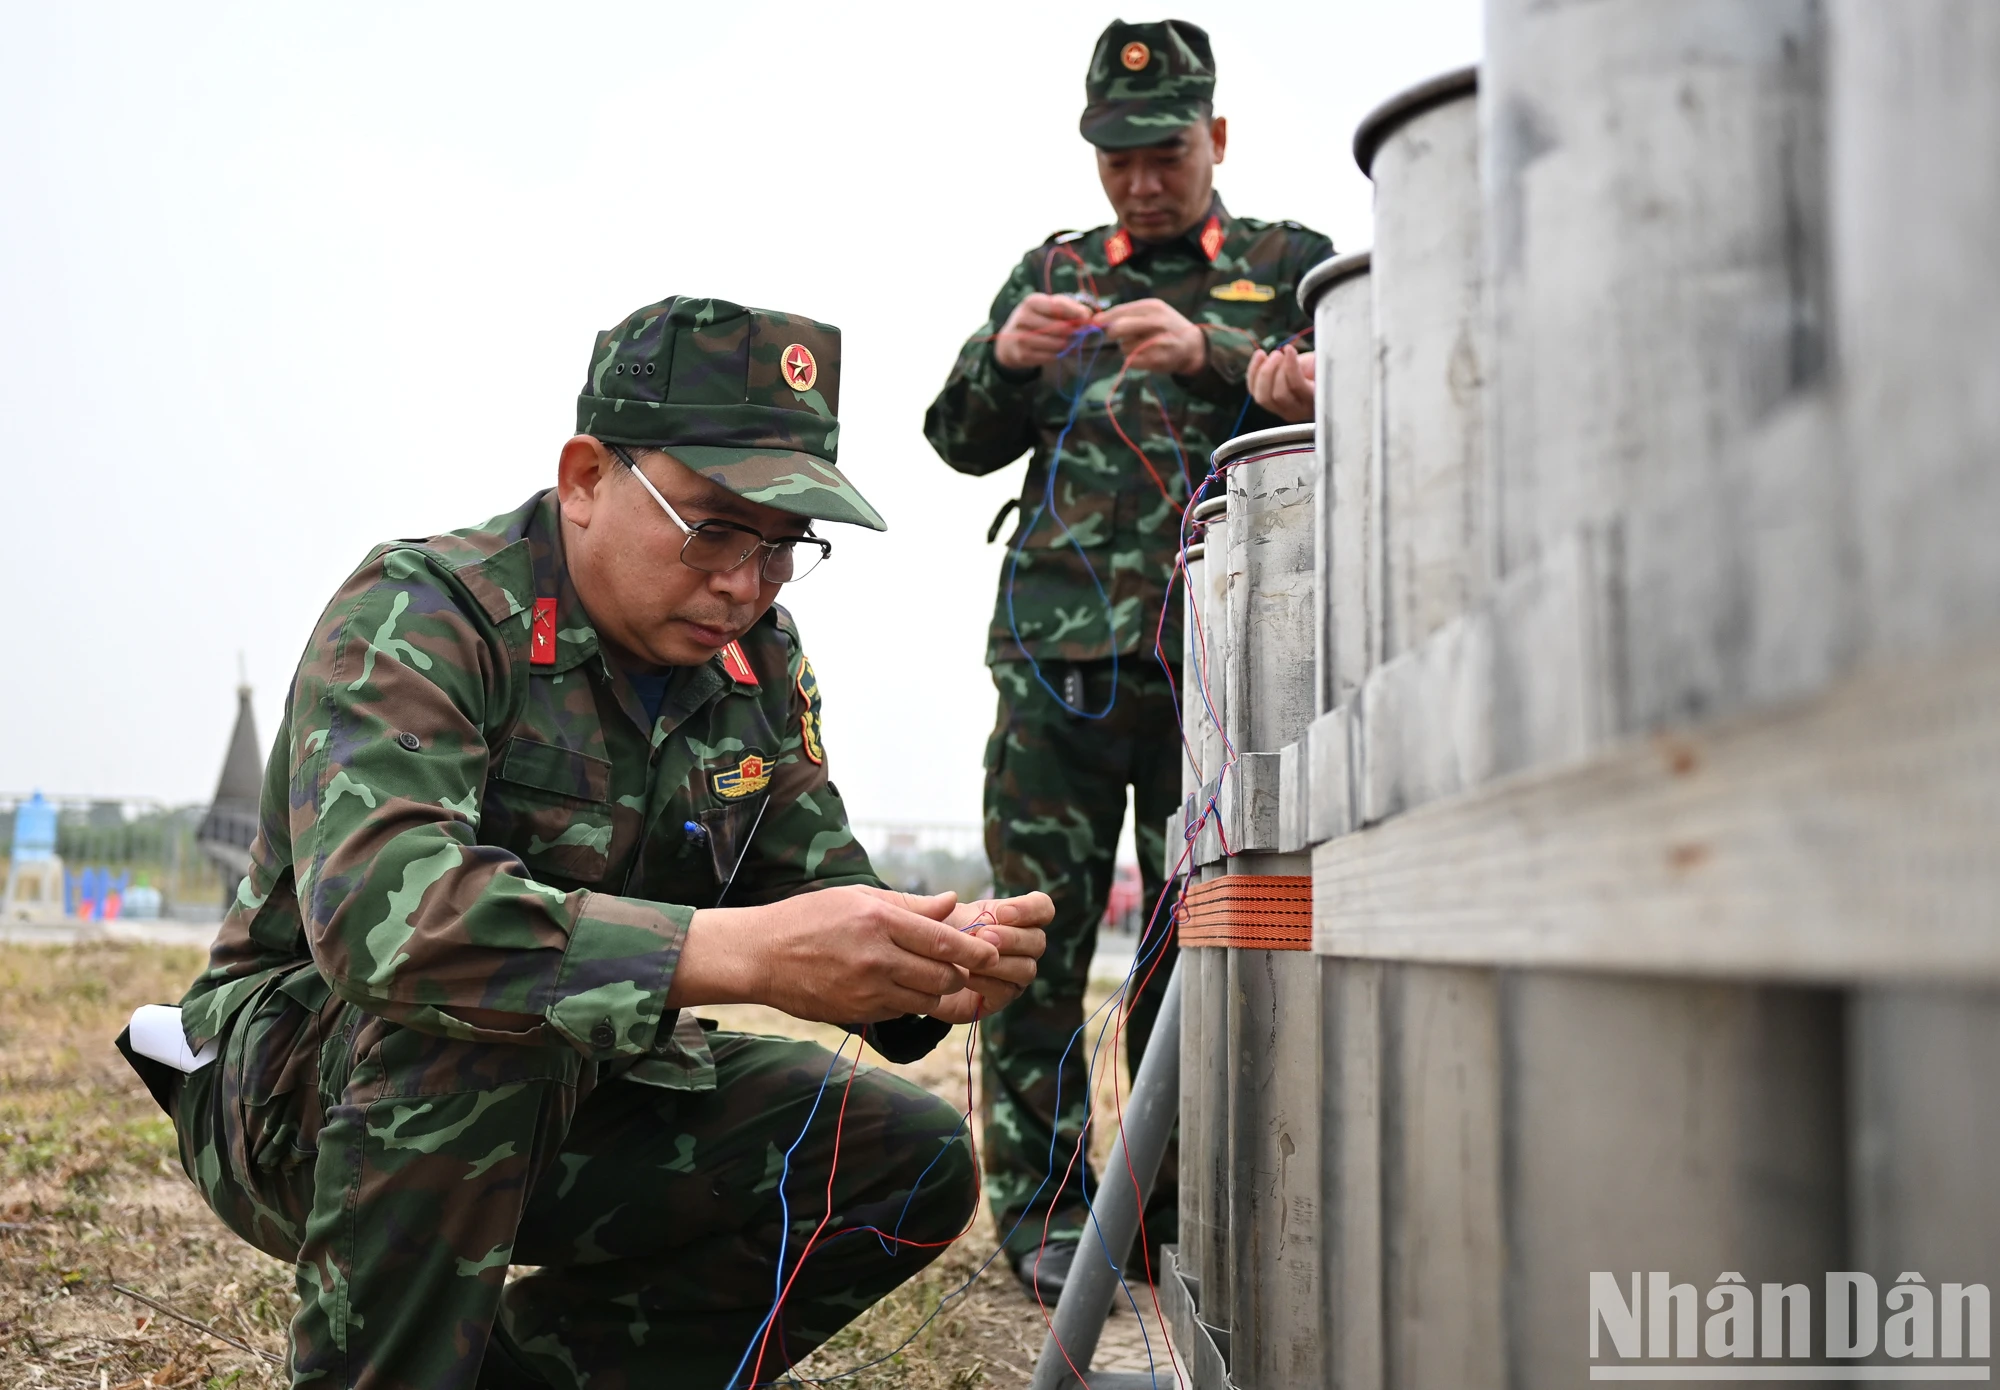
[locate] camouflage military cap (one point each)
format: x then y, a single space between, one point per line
1146 82
745 397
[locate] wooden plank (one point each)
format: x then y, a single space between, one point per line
1442 1264
1351 1162
1427 719
1275 1224
1295 796
1329 744
1925 1111
1655 1124
1249 803
1854 835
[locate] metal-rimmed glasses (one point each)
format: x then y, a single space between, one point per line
718 547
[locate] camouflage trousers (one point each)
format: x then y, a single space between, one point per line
1055 799
403 1173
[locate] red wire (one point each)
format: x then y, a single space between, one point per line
1146 1255
778 1311
1111 409
1145 1245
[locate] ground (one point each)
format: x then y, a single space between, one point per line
92 1197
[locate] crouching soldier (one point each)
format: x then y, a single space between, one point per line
543 786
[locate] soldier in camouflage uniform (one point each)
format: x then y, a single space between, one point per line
544 785
1117 359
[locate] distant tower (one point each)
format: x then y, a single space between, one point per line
231 823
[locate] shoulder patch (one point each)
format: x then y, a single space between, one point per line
737 666
809 720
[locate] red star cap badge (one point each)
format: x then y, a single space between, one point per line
798 366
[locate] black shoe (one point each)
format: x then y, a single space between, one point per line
1043 1272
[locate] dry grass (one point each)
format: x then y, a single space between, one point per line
91 1194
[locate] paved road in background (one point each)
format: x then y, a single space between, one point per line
1108 966
63 933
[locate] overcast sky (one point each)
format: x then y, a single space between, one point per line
281 281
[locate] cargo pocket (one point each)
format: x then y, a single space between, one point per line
267 1111
551 806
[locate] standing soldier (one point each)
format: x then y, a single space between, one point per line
543 786
1117 359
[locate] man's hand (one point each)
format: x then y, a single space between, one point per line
1282 382
1156 337
1014 926
841 955
1038 330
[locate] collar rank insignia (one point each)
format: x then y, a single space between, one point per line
809 727
1118 247
542 634
747 778
1243 292
1211 237
737 665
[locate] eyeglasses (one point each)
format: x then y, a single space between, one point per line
718 547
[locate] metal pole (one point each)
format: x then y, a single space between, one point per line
1150 1112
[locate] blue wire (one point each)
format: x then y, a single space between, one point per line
785 1229
1140 958
1047 504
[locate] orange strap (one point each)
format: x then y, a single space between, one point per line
1264 912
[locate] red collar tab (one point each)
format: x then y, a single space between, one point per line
542 634
1211 237
737 665
1118 248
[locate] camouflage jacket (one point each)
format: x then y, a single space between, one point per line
474 836
1110 538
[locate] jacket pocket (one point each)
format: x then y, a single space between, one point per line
729 833
551 807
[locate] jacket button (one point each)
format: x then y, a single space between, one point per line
410 741
603 1035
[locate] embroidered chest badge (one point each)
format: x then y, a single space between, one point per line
1243 292
747 778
